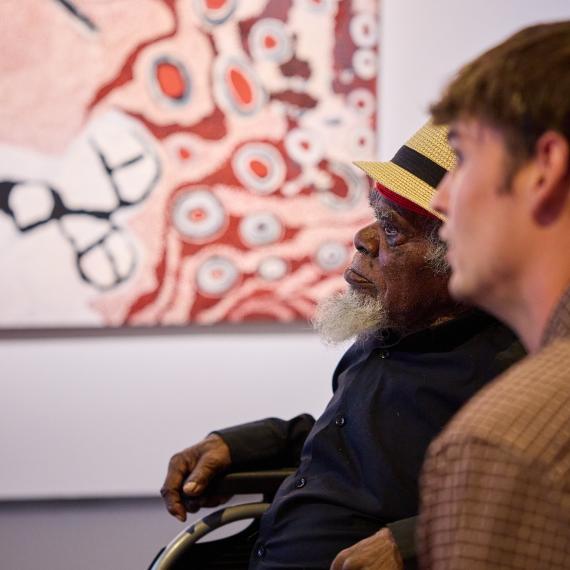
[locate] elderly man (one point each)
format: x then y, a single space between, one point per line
417 358
497 482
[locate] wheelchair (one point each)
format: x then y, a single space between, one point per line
178 553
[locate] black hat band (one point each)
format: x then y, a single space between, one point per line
420 166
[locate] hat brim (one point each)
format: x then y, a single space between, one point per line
401 182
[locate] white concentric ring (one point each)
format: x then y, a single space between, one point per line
198 215
304 147
362 101
318 6
270 30
365 63
363 30
260 228
216 276
225 92
331 256
362 141
273 268
270 173
156 89
356 187
215 16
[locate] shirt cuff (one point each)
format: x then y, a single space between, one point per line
404 533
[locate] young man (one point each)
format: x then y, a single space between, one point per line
418 357
496 484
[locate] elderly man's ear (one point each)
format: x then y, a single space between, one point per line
549 185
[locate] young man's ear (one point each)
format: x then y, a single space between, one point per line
550 187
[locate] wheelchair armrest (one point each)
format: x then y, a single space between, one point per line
236 483
250 482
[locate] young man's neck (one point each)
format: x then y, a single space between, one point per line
530 312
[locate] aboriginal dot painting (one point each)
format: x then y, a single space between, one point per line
181 162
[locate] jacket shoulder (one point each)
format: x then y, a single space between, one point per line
525 410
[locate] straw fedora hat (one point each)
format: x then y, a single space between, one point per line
417 168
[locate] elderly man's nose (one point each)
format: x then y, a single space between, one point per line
366 240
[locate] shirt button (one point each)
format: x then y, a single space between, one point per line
260 551
300 483
340 421
384 354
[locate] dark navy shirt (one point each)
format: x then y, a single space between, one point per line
360 462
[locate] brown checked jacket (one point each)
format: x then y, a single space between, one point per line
496 483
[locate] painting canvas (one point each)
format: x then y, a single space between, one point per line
170 162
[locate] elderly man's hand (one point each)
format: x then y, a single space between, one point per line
189 473
377 552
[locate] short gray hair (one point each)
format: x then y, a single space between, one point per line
435 257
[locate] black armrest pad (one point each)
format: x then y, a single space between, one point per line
249 482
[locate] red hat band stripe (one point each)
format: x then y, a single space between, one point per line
401 201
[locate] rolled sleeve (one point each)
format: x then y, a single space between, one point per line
267 443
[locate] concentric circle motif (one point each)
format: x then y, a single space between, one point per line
170 81
362 101
184 153
269 40
183 149
363 30
365 63
331 256
318 5
237 87
198 215
346 76
215 12
356 186
260 228
216 275
273 268
259 167
361 142
304 147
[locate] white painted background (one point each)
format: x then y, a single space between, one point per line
96 415
100 416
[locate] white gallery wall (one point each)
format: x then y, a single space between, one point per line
424 42
101 415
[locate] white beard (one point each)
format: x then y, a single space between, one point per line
348 315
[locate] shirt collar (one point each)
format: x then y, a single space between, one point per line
559 323
437 338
